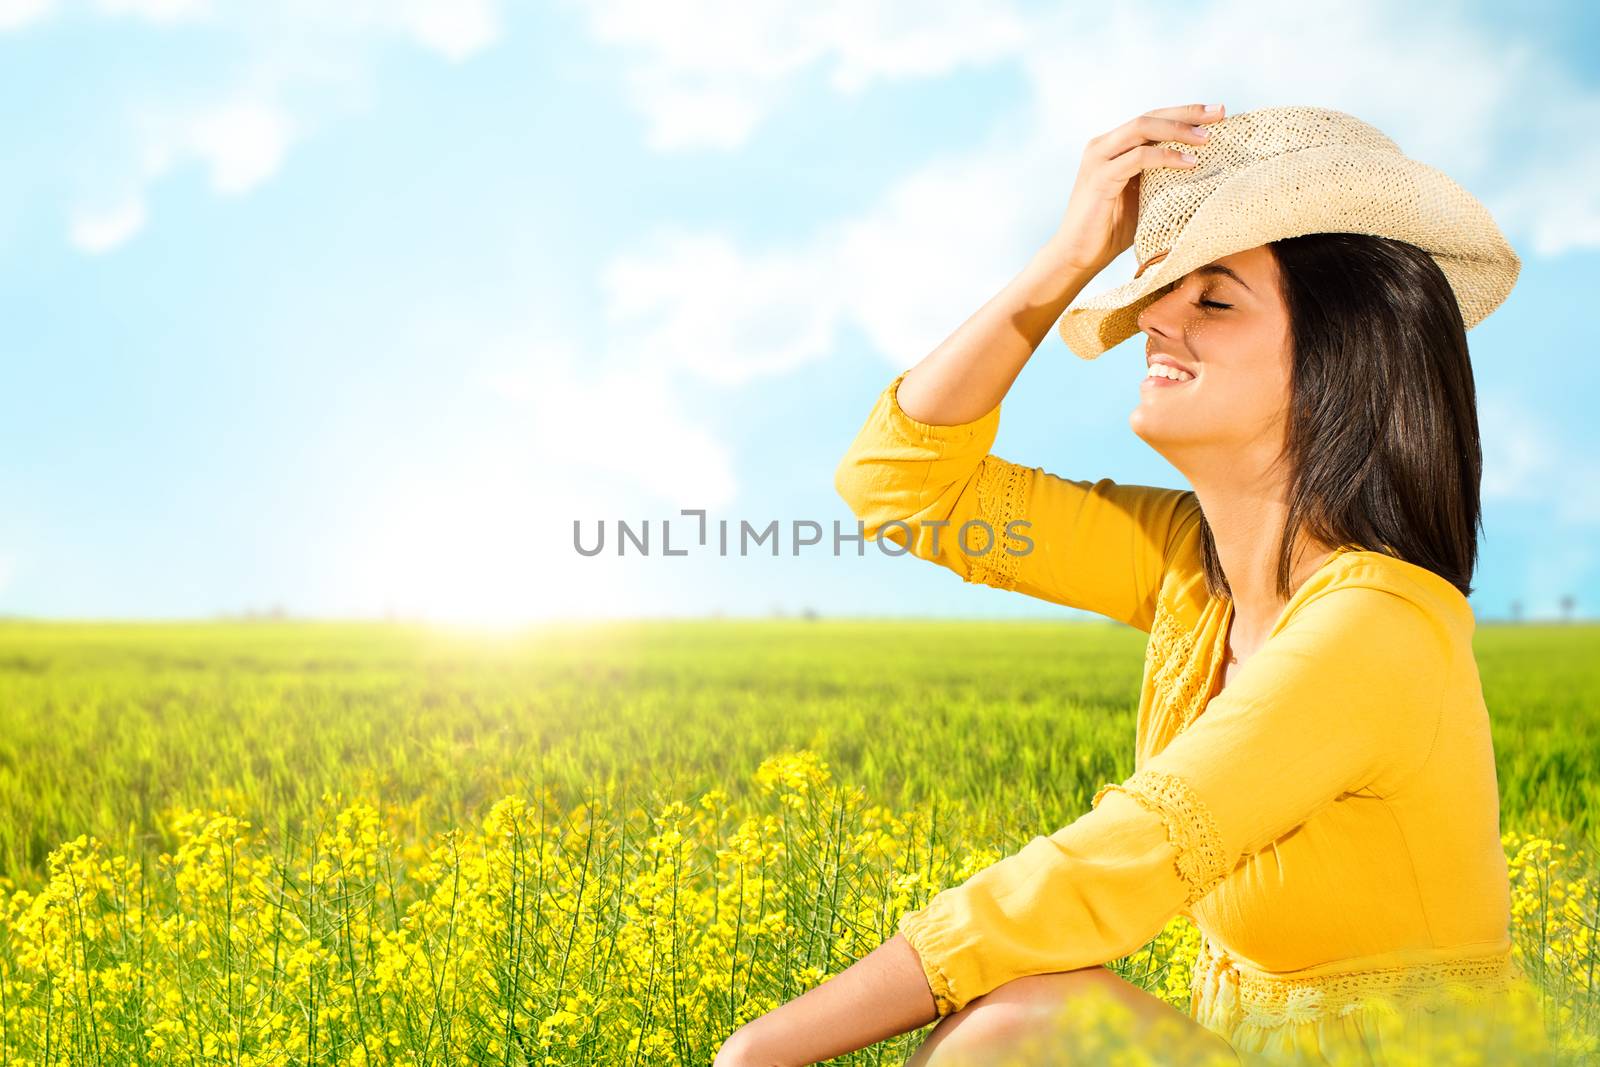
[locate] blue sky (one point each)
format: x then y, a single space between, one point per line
353 311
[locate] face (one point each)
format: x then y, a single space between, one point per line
1232 334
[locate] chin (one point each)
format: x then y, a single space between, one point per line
1147 423
1157 429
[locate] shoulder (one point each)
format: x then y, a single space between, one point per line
1396 612
1387 642
1183 542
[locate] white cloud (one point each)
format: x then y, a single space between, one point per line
14 14
1552 196
1517 451
302 63
242 142
1525 459
455 29
157 10
706 72
98 231
906 274
697 302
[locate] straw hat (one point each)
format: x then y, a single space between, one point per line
1279 172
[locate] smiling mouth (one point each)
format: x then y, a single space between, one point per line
1160 378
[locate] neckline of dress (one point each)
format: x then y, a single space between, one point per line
1219 645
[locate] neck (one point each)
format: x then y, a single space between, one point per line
1246 519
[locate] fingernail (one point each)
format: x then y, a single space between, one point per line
1187 157
1212 109
1202 131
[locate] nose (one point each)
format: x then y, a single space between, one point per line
1160 317
1154 318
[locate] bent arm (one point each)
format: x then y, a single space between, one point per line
879 996
941 494
1346 697
920 475
972 370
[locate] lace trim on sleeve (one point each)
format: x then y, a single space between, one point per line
1178 676
1202 860
1002 499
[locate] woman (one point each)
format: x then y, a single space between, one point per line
1315 782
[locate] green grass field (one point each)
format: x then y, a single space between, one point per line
602 843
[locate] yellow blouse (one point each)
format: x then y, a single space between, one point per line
1329 821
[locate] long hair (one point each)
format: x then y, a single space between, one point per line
1381 436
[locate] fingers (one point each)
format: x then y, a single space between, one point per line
1162 124
1144 157
1189 112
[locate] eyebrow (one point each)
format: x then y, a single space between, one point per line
1217 268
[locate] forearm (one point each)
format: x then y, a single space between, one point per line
883 994
972 370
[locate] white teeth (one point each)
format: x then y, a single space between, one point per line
1161 370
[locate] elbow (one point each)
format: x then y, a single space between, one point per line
872 509
735 1052
844 483
741 1050
880 489
851 482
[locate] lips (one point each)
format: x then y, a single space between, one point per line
1161 357
1165 372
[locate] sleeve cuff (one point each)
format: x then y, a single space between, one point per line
918 927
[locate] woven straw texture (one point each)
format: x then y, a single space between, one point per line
1281 172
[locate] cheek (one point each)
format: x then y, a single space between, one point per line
1233 402
1262 392
1251 394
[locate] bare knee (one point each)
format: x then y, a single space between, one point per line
1039 1018
999 1022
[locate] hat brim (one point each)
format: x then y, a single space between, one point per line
1323 189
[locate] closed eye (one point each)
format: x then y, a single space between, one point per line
1214 304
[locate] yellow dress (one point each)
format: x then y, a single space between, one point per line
1329 821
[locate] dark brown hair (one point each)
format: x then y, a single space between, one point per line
1381 437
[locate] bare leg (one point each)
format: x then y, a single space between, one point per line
1016 1019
